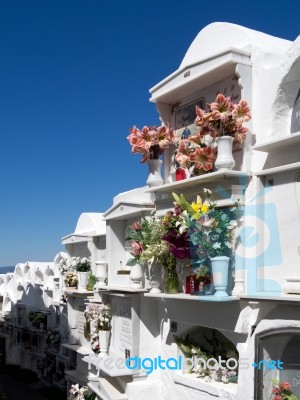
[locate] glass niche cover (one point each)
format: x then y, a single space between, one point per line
282 349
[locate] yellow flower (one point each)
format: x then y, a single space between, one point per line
196 206
204 208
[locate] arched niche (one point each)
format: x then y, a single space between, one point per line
38 277
49 275
199 342
18 273
278 344
27 273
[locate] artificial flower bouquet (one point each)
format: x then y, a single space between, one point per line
81 264
224 118
81 393
208 230
282 391
71 279
146 236
151 141
105 318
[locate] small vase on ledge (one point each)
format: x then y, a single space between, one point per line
219 266
154 178
171 281
136 275
103 342
224 159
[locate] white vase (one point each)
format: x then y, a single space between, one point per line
224 159
155 275
103 342
154 177
219 266
101 274
136 275
82 280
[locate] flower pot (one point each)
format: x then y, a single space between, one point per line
101 273
136 275
103 341
224 159
154 178
171 281
155 277
82 280
219 266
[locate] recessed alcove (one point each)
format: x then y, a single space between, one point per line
27 273
38 277
198 344
18 273
277 344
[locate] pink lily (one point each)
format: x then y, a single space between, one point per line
204 158
221 108
241 111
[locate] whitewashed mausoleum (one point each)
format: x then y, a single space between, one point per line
257 324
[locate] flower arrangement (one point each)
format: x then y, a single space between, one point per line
81 264
148 244
64 265
105 319
138 234
97 318
81 393
71 279
204 230
37 318
177 233
92 316
197 152
282 391
94 342
224 118
151 141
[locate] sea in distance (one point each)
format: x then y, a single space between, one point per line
5 270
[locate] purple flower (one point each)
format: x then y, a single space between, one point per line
178 243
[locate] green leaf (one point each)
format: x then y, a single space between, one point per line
176 198
131 262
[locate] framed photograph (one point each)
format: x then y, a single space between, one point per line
185 115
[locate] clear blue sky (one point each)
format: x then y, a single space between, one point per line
74 77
